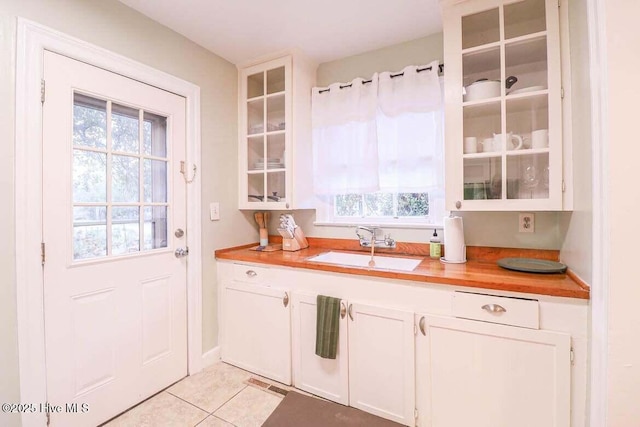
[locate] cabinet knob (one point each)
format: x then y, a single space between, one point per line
494 308
287 205
285 300
350 311
251 273
421 324
458 204
343 309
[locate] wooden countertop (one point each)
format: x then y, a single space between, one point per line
480 271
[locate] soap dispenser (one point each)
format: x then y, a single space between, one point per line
435 247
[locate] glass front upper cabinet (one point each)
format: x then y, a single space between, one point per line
265 102
504 87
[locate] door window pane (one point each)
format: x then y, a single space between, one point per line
89 122
125 129
155 135
89 176
155 181
89 232
125 230
125 179
155 227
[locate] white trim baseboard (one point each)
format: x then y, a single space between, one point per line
210 357
32 40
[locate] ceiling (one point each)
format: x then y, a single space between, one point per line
242 30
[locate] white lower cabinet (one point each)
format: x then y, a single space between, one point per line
474 360
374 366
381 362
473 373
328 378
257 330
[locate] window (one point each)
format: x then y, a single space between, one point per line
378 149
119 184
381 205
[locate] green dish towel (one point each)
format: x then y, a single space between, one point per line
327 326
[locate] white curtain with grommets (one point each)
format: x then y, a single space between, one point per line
382 135
345 149
410 130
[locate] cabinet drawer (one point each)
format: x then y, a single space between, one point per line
251 274
495 309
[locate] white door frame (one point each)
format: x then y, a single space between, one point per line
599 327
32 40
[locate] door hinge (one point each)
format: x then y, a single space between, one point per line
415 329
564 186
561 93
572 356
415 413
42 253
48 416
42 90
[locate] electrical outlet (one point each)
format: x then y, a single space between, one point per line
214 209
526 224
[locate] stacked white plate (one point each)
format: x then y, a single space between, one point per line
272 163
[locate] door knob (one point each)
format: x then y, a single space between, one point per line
179 233
181 252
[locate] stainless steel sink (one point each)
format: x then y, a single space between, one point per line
360 260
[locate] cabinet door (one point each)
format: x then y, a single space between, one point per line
487 375
257 330
503 139
381 362
265 133
328 378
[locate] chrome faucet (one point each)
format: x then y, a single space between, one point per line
368 241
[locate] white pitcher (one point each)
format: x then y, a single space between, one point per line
503 141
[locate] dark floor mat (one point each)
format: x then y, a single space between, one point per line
297 410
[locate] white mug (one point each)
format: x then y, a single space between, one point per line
500 141
540 138
487 145
471 144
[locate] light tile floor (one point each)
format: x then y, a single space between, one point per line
219 396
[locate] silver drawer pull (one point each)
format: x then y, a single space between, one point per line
494 308
285 300
343 310
422 328
251 273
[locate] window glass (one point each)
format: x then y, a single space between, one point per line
109 166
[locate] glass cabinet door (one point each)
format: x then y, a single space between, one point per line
266 136
505 103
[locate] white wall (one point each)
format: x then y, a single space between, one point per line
622 44
110 24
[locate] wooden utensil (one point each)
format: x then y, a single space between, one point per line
266 220
259 217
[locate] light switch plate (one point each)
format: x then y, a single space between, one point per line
214 208
526 223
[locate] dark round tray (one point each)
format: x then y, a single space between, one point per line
532 265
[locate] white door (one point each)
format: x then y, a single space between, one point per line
487 375
381 362
257 330
328 378
114 293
